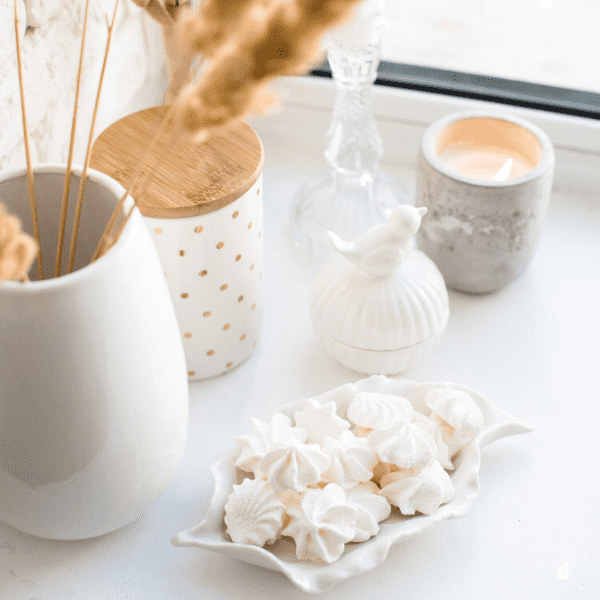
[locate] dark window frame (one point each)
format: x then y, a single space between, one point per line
480 87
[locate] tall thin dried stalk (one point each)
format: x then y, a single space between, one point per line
88 154
65 200
30 183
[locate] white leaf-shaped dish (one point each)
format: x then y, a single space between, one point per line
360 557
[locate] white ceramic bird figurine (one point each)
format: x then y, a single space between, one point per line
379 251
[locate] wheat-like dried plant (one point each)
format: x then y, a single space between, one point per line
249 43
17 249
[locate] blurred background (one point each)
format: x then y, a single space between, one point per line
552 42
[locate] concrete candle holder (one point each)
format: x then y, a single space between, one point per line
486 180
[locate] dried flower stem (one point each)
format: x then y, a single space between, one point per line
88 155
65 200
32 200
100 249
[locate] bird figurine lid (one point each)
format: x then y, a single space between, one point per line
378 293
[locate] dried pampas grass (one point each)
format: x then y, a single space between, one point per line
249 42
17 249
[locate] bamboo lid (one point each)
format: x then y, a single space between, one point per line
187 178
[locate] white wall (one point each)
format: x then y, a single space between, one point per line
50 39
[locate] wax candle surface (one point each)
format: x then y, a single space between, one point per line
483 162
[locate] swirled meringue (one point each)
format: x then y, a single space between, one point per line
265 437
456 413
320 421
370 410
322 524
423 491
372 509
403 444
253 513
444 453
295 466
351 460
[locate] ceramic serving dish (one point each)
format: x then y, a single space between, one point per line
361 557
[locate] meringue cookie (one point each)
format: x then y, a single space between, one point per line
371 410
403 444
322 524
294 467
372 509
351 460
265 437
430 427
320 420
422 492
457 410
253 513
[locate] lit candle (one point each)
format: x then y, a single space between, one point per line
485 162
486 180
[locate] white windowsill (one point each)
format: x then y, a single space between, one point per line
533 349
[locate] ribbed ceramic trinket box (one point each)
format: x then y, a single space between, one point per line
203 207
379 306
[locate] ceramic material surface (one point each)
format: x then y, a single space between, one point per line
93 389
483 234
379 306
213 265
357 558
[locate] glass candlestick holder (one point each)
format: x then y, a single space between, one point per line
354 195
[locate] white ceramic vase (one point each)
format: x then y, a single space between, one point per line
93 385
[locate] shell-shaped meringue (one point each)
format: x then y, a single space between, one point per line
424 491
265 437
320 421
372 509
457 409
351 460
403 444
253 513
371 410
322 525
430 427
294 467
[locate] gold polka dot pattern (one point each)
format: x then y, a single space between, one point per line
230 249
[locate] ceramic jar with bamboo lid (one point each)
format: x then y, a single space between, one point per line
202 203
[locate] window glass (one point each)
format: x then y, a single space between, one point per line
552 42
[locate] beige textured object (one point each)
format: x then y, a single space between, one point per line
379 307
202 203
17 249
483 234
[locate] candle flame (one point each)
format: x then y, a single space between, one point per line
504 172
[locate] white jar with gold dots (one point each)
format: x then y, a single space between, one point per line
203 206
